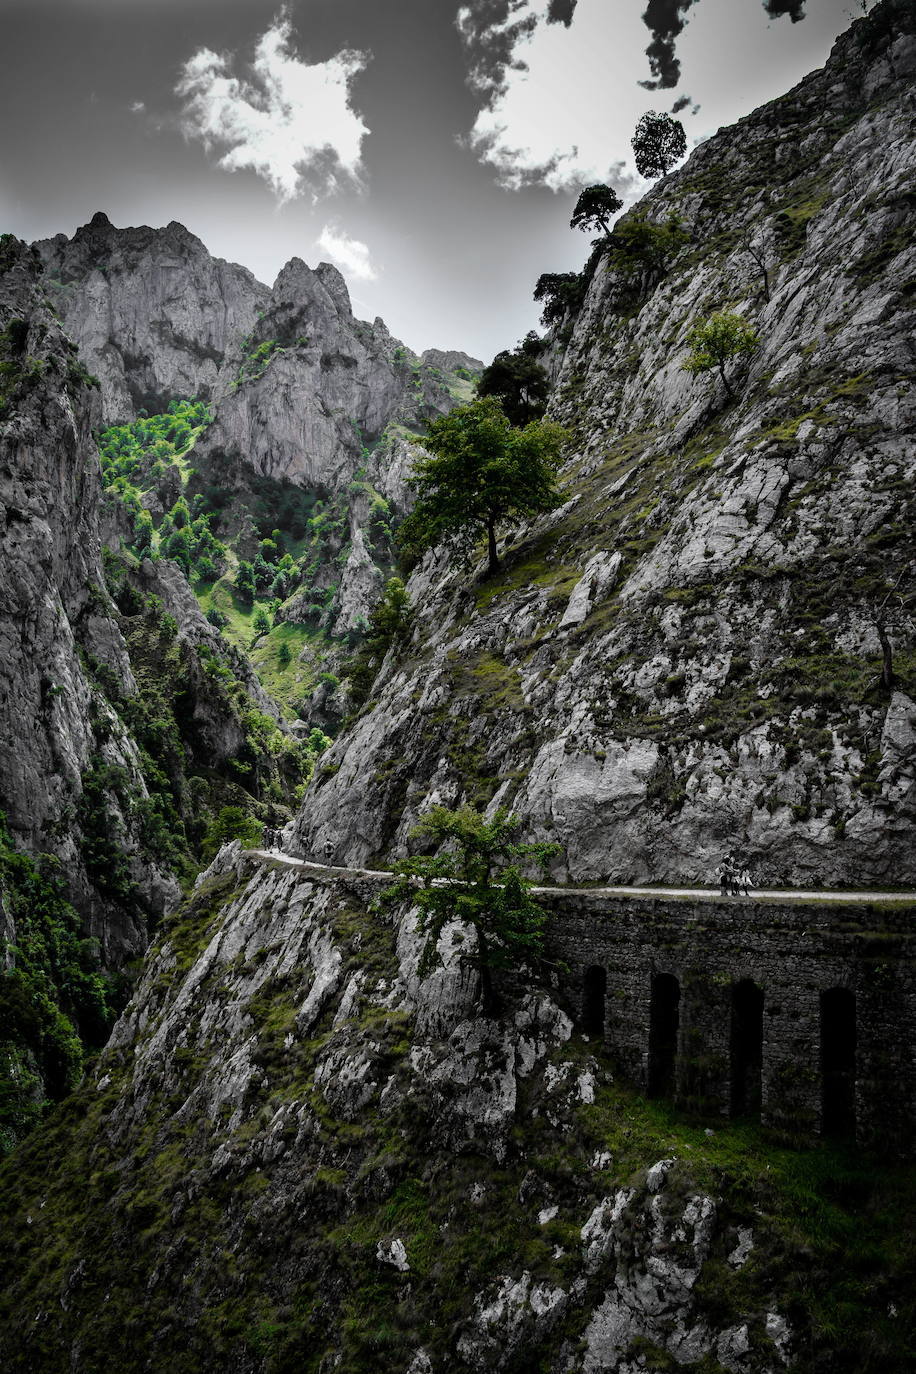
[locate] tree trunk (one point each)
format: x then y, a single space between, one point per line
491 545
488 999
726 383
887 666
487 994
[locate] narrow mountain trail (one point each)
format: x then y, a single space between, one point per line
706 894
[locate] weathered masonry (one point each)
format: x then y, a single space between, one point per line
801 1016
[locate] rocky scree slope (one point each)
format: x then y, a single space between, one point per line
686 656
296 1154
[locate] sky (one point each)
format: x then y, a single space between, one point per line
433 150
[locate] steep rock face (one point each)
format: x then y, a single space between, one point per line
686 656
58 618
150 310
316 388
105 709
293 1144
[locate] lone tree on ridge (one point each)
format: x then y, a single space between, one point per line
475 880
595 208
716 341
658 143
477 471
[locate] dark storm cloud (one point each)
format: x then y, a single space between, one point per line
490 41
561 12
664 20
795 9
681 104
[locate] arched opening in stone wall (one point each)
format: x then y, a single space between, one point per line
594 992
664 1018
746 1048
838 1062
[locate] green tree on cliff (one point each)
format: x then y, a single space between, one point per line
718 340
595 208
477 471
476 880
561 292
518 381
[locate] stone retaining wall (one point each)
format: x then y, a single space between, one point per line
805 1016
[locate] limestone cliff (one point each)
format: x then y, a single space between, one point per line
687 657
58 629
126 721
316 388
300 391
296 1153
151 312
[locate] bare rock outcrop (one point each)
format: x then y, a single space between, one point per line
151 312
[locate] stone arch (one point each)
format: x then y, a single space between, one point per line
664 1023
746 1048
838 1062
594 994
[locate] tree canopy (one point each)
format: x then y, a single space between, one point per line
477 471
518 381
658 143
717 340
475 879
638 244
560 292
595 208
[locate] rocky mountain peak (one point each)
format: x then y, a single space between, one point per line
306 303
152 313
334 283
450 360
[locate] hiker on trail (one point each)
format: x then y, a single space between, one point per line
725 876
745 880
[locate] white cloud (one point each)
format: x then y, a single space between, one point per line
559 105
290 122
352 255
549 111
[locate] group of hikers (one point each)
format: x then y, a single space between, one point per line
734 877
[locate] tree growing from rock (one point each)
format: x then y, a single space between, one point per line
560 292
143 534
479 470
595 209
390 622
639 244
475 879
231 823
895 603
658 144
716 342
754 245
518 381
